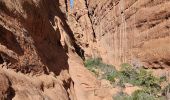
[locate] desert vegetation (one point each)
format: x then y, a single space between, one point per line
150 86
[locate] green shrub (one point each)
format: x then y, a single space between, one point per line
163 79
92 63
139 77
127 74
111 76
122 96
125 66
97 64
142 95
137 95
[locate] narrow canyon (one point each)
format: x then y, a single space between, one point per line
44 44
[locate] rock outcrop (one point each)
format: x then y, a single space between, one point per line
30 52
133 31
39 56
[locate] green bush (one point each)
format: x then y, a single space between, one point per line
139 77
122 96
111 76
163 79
142 95
92 63
137 95
127 74
97 64
126 66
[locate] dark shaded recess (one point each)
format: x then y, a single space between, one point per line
67 85
1 60
10 91
8 39
167 26
167 63
79 51
46 39
66 5
156 62
3 7
27 68
167 16
55 11
5 10
7 59
91 13
152 25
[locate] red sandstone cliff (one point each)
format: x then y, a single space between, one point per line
134 31
43 44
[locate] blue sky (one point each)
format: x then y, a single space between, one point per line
71 3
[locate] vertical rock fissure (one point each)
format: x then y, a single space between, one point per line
94 35
66 3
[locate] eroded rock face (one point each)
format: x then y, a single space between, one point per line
23 21
133 31
30 45
17 86
5 88
39 56
43 42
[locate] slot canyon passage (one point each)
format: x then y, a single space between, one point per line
44 43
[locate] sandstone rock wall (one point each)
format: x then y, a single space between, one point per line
39 55
31 47
135 31
121 31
